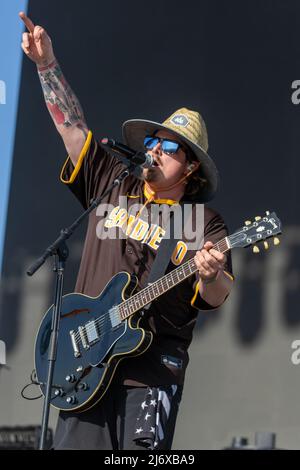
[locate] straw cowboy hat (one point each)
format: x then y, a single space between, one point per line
190 128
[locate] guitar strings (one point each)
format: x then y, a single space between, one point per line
100 321
222 246
146 291
131 303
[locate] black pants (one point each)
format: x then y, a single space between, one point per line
126 418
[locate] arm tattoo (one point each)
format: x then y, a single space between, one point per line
61 101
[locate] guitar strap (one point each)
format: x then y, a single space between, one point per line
164 254
165 250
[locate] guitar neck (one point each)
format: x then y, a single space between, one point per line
165 283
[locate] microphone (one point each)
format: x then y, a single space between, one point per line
145 160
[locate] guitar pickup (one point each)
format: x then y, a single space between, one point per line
92 332
83 337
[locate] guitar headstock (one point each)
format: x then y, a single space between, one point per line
258 231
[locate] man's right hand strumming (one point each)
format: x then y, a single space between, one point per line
60 99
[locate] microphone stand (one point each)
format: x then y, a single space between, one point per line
60 251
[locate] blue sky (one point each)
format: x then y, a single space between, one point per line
10 63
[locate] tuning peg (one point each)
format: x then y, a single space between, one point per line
248 222
276 241
266 245
257 218
256 249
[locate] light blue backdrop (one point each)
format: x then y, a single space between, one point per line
10 68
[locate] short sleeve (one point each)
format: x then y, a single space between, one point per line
214 231
93 173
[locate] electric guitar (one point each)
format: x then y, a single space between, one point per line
96 333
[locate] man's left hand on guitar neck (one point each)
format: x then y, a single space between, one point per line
214 283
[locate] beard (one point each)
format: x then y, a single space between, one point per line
150 175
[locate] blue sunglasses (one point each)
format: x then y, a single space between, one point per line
168 146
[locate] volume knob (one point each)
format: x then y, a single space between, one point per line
71 400
83 386
71 378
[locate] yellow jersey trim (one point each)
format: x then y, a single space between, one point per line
229 275
79 163
149 195
195 295
197 288
131 196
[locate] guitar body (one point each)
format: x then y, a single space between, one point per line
87 360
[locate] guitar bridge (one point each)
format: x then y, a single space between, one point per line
75 344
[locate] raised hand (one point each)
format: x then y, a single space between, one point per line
61 101
36 43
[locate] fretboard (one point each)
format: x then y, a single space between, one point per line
165 283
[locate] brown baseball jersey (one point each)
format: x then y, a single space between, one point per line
123 235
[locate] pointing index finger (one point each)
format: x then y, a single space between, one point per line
27 21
